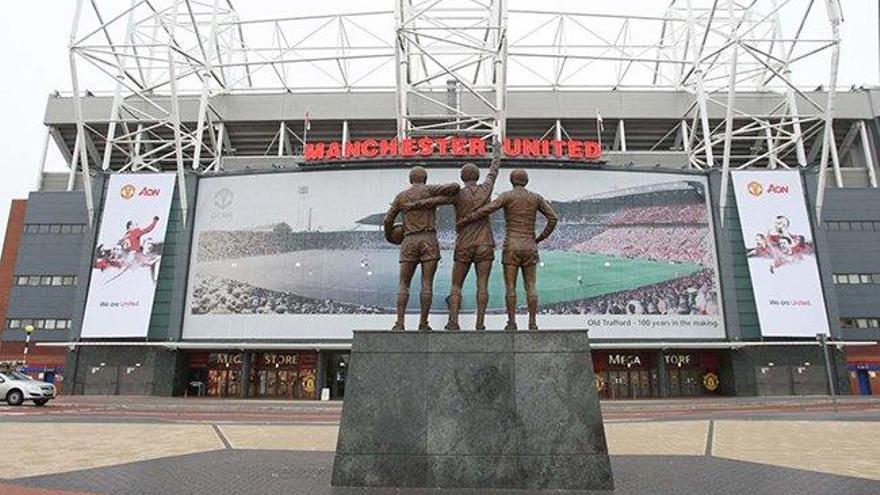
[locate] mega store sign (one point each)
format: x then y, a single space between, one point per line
452 147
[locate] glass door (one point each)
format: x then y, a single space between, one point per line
619 384
643 384
674 386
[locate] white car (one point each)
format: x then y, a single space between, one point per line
16 388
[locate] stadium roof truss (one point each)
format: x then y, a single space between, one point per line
454 62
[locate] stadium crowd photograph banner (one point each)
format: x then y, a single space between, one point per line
302 255
127 255
781 253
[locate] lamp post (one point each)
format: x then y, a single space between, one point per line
823 341
28 330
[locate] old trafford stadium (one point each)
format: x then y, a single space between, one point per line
221 231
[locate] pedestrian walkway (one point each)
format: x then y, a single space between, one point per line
838 448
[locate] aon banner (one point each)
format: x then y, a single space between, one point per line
781 253
127 255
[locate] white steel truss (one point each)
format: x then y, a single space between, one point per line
452 64
459 43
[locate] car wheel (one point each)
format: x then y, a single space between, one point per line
41 402
14 398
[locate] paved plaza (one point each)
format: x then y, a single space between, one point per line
107 447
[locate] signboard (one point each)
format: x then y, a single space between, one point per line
781 253
454 147
302 255
127 255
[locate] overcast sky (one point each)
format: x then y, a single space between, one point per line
33 53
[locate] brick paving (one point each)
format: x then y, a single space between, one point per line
7 489
179 409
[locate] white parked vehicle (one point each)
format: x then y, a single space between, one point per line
16 388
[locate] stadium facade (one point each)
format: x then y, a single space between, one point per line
268 251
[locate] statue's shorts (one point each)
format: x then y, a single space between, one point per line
474 254
519 257
419 248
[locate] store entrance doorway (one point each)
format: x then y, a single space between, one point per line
335 374
864 382
630 384
277 384
224 383
684 383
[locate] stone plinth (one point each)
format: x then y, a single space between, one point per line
472 410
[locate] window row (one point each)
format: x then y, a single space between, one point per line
54 228
856 278
860 323
37 323
864 225
50 280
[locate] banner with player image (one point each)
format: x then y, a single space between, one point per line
127 255
781 252
302 255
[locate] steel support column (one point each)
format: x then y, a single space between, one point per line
827 136
175 114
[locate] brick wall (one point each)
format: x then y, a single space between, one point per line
14 229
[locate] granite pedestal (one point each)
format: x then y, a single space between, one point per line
472 410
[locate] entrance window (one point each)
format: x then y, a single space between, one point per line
691 374
215 374
284 375
626 375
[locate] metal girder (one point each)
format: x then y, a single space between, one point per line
451 60
452 63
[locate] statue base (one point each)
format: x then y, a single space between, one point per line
471 409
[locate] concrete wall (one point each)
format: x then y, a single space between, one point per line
850 252
784 370
520 105
121 370
48 254
166 322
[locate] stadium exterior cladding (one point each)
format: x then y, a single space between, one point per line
739 362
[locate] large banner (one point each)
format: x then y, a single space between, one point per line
127 255
301 255
782 257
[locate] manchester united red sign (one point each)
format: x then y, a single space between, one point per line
452 147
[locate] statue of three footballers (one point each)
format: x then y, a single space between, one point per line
474 244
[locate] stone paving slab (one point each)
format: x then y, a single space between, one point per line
257 472
842 448
47 448
845 448
656 438
281 437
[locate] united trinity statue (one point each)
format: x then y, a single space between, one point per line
474 240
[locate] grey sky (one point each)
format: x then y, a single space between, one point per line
33 54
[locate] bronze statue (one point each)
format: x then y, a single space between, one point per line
520 251
474 243
419 243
